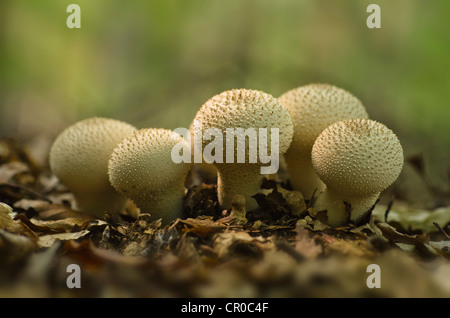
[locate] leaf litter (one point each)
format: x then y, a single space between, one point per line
282 249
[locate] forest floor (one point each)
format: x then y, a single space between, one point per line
271 252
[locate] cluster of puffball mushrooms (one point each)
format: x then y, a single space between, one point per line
332 151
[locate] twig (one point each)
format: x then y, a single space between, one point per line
441 230
388 210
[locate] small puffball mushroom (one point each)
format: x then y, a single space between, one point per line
357 159
313 108
244 109
142 169
79 158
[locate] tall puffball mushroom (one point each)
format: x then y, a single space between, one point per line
79 158
243 109
142 168
313 108
357 159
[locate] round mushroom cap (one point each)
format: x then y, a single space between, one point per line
79 155
357 157
142 163
314 107
246 108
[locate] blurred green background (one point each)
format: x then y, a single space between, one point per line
154 63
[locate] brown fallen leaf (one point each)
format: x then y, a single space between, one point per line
5 219
203 227
51 211
50 239
14 226
38 228
395 236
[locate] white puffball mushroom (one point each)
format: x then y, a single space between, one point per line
357 159
245 109
142 169
79 158
313 108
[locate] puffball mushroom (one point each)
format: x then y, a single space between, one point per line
357 159
244 109
79 158
142 169
313 108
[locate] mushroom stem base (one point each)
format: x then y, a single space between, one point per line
302 175
166 204
242 179
335 205
96 204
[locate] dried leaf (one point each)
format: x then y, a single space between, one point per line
38 228
50 211
50 239
202 227
14 226
393 235
65 225
6 221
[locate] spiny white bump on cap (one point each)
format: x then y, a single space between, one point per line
79 158
357 156
247 108
141 168
313 108
244 108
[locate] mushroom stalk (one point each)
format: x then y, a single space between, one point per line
304 178
97 203
230 182
335 204
168 209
